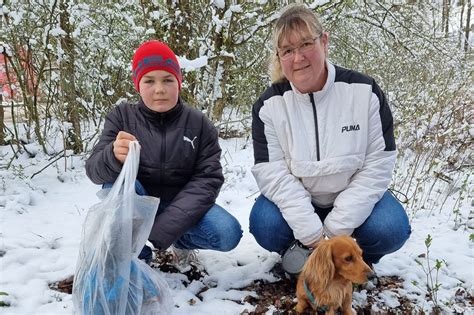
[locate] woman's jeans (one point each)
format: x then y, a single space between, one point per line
383 232
217 229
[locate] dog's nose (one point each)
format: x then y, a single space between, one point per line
371 275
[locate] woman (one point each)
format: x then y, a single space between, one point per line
179 158
324 149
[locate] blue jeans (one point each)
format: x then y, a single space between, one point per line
217 229
383 232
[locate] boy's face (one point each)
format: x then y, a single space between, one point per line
159 90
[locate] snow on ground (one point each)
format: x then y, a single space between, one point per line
40 230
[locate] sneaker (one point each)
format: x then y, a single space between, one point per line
185 259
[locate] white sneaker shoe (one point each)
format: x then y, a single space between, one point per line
185 259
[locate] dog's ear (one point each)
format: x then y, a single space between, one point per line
323 269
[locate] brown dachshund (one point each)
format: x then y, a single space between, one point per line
325 283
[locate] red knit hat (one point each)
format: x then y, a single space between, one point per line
154 55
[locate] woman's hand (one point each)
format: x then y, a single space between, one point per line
314 244
121 145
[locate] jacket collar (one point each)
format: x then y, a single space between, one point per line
326 88
161 118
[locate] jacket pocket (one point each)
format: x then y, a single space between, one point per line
327 176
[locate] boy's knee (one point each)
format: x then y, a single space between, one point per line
230 243
230 235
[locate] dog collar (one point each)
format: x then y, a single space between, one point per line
323 308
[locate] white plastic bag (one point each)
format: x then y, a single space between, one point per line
110 279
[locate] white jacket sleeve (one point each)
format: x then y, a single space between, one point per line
367 186
277 183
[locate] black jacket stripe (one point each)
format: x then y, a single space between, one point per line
260 144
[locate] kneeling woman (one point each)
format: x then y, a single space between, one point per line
324 149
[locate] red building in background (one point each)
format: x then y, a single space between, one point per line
7 93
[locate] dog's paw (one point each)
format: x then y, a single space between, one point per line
300 307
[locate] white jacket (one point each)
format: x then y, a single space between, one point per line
338 151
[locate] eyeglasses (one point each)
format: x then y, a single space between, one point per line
305 47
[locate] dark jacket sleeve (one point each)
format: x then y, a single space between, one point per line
102 166
197 196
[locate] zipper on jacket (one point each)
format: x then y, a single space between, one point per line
315 115
163 149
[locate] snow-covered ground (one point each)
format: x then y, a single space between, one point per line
40 231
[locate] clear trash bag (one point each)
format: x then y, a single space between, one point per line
109 278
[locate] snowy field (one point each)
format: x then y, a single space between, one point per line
40 230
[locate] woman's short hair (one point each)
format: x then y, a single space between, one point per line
294 17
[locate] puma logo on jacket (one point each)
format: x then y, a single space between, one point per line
189 140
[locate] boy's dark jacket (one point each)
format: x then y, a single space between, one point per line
179 162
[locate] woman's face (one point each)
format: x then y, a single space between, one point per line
159 90
306 64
